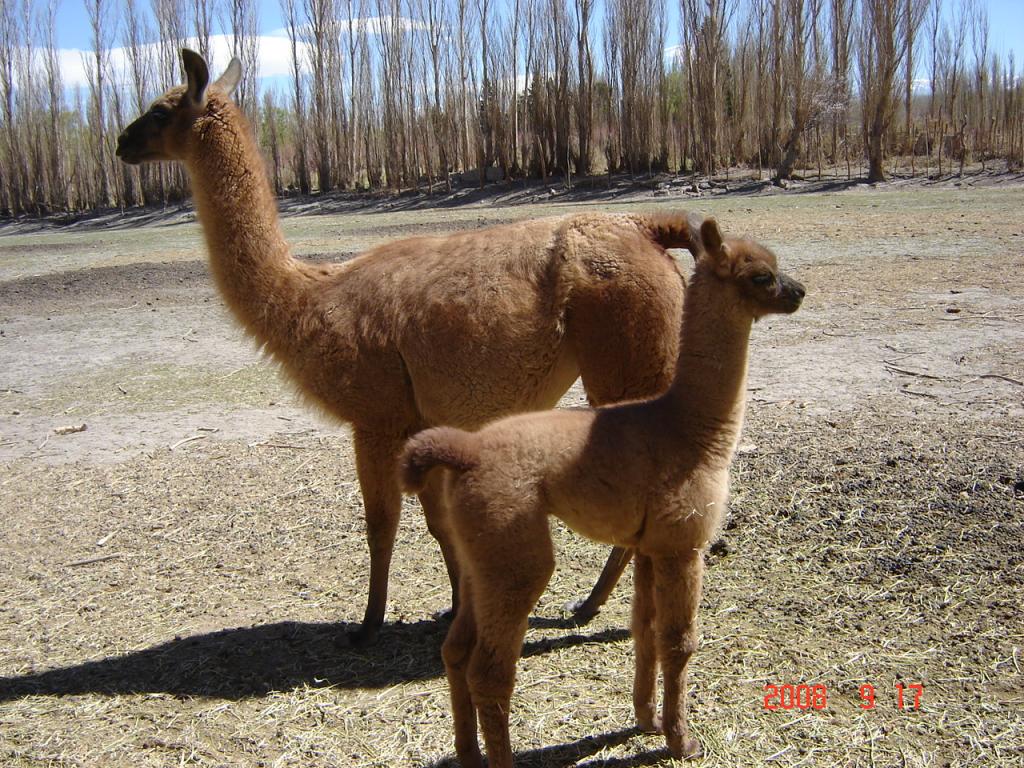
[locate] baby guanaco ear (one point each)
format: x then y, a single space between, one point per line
229 80
711 235
716 252
197 75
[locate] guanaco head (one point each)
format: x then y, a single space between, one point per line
752 271
163 132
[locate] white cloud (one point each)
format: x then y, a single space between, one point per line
274 59
274 52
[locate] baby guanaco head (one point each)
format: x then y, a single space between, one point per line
164 131
751 271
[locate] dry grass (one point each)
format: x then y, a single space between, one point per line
209 635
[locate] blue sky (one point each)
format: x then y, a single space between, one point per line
73 34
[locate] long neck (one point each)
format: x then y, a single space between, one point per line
708 394
249 257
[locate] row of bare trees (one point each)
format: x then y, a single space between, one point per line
429 93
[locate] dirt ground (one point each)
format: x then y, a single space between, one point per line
176 579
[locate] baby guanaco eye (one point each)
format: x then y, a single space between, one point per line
763 278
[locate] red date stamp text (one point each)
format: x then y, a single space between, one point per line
804 697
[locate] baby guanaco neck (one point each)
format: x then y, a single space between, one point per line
706 400
249 258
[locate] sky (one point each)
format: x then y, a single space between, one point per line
73 36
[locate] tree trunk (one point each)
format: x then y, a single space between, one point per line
876 168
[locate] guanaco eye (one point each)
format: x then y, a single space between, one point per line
763 278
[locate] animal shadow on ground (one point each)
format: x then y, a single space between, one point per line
245 662
573 752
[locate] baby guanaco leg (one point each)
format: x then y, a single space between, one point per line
644 646
677 588
509 570
458 646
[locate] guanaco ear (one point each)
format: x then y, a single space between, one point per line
228 81
197 75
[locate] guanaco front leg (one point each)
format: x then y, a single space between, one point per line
376 459
584 610
436 513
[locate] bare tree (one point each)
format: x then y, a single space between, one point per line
951 46
934 26
203 14
243 21
704 26
660 132
637 60
908 77
806 86
514 28
560 67
30 107
391 40
884 31
170 21
97 68
585 91
613 75
742 89
1013 113
57 194
364 96
271 138
11 187
140 72
358 62
13 35
840 32
759 35
436 18
776 43
318 29
979 47
463 54
337 107
534 157
301 163
485 104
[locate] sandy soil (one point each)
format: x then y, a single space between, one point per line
175 577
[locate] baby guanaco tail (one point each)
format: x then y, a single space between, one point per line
441 446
